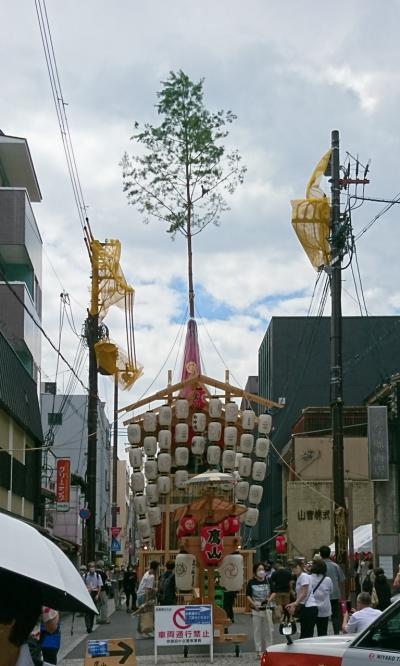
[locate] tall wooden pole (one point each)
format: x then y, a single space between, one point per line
114 500
92 336
336 382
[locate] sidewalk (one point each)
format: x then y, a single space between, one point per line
69 642
178 660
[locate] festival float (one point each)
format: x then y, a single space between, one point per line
199 462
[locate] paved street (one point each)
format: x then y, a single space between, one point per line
123 625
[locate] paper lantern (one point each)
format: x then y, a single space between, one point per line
215 408
231 412
242 491
245 467
255 494
182 409
246 443
211 544
181 433
232 572
181 456
152 494
187 525
137 482
164 440
199 422
140 505
151 470
259 471
181 477
164 485
154 513
150 422
264 424
228 461
198 445
214 431
136 458
165 416
251 517
184 572
280 544
262 447
144 528
150 446
248 419
164 463
134 433
230 437
213 455
230 526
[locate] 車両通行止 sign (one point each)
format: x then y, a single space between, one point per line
183 625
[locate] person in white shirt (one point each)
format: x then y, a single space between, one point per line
364 615
147 583
322 590
305 607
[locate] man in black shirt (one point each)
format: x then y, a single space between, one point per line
280 582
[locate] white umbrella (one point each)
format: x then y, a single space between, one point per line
212 476
26 552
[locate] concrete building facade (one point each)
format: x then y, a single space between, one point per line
20 252
65 419
294 367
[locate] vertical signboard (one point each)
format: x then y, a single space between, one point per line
63 484
378 446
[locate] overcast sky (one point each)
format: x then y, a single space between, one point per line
292 72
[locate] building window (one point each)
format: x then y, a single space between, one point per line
54 418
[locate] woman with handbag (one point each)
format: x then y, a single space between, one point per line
322 590
304 607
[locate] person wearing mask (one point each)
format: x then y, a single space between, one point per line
48 634
103 599
335 573
258 592
382 589
167 587
129 585
93 584
304 607
322 589
354 623
19 610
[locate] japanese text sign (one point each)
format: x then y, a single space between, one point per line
212 547
63 484
378 446
183 625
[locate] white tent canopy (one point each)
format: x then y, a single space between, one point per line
362 537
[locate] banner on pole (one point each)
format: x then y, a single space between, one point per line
63 484
378 443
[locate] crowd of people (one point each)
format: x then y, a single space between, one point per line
311 593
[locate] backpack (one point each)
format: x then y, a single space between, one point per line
367 584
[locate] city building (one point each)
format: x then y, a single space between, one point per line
307 488
20 438
294 369
387 492
20 252
64 421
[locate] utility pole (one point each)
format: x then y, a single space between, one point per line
115 460
336 380
92 336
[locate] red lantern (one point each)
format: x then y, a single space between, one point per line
188 524
280 544
231 525
211 544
